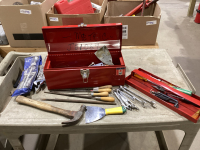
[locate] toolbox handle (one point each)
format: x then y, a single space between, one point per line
185 77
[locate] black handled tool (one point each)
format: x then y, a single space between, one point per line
166 98
161 89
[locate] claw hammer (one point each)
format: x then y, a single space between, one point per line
75 116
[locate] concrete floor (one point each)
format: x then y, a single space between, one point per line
180 36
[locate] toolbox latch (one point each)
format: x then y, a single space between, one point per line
82 25
85 75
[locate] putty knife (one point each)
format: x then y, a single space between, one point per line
94 113
104 55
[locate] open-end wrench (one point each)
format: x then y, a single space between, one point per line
128 106
122 103
153 104
123 95
129 92
123 99
128 96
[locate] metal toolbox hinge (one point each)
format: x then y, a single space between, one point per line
85 75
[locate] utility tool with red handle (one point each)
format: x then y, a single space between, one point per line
140 7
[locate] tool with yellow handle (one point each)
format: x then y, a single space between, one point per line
102 90
196 115
177 88
94 113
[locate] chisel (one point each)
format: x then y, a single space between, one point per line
103 94
79 101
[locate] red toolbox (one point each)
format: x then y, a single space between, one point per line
187 110
71 50
74 7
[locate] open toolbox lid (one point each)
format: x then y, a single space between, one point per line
71 38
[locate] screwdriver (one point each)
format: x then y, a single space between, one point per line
100 96
106 88
177 88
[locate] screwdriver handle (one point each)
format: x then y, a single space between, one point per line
102 90
196 115
100 94
104 87
107 99
140 77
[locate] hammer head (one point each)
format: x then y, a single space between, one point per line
77 116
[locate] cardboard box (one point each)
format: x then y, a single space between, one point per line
55 19
23 23
71 49
137 30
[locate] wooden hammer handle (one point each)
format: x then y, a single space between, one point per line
44 106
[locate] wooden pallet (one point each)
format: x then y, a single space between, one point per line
4 50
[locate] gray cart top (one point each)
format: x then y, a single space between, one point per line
156 61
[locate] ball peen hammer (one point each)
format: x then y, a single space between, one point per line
75 116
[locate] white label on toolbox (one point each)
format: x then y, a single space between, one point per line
124 31
151 22
53 18
24 11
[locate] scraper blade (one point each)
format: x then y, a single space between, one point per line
104 55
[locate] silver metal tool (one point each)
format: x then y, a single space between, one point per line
153 104
131 105
124 100
143 103
126 95
122 103
93 64
120 99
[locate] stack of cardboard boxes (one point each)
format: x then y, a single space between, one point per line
23 23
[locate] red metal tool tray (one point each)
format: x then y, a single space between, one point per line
71 50
185 109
